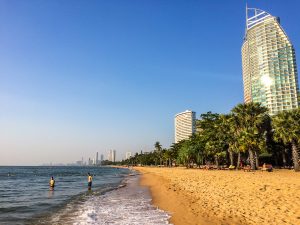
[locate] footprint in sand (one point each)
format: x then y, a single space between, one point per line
264 188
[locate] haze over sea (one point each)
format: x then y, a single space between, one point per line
115 198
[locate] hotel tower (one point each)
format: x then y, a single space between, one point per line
185 125
269 63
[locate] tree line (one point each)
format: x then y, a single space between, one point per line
246 135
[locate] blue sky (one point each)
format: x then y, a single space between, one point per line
77 77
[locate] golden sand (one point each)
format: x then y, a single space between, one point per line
195 196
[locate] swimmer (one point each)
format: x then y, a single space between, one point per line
90 179
52 182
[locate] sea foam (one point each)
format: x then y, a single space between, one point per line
128 205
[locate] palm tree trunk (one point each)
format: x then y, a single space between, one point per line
276 159
251 157
256 160
231 157
238 161
295 156
283 158
217 161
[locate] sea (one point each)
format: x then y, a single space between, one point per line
115 197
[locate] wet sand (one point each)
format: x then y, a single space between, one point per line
195 196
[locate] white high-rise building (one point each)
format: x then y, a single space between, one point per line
109 156
112 155
128 155
185 125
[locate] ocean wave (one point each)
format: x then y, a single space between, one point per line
128 204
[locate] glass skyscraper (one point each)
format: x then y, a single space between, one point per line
269 63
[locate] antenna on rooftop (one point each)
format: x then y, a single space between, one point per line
246 28
246 14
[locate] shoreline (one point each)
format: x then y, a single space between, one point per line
194 196
176 204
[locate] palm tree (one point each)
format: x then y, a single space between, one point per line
227 134
174 151
187 153
158 149
287 129
250 120
166 155
198 140
209 124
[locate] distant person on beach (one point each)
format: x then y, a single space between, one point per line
52 182
90 179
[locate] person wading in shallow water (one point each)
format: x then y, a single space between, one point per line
90 179
52 183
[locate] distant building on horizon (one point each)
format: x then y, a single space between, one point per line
269 63
185 125
109 156
90 162
97 159
128 155
112 155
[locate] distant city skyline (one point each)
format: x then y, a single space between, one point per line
80 77
93 161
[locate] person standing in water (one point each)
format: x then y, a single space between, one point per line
52 183
90 179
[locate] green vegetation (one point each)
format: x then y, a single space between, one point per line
287 129
247 135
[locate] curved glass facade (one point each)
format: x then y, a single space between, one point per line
269 64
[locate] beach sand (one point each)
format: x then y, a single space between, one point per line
195 196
